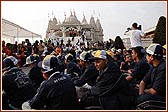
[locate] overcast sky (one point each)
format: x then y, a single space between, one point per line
115 17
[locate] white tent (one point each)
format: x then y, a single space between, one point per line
12 32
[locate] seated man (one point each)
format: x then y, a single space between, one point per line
72 69
35 73
89 73
16 85
57 91
127 64
111 89
140 69
88 76
153 85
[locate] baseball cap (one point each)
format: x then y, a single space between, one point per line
9 62
13 59
100 54
69 57
110 53
50 62
155 49
85 56
164 46
113 50
31 59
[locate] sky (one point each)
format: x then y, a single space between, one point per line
115 16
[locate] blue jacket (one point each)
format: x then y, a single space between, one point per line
17 87
58 92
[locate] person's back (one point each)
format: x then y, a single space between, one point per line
89 76
57 92
72 69
17 86
135 36
35 73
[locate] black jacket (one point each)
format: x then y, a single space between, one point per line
17 86
140 70
73 68
156 78
112 88
58 92
89 76
36 76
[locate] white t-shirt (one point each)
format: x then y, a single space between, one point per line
135 37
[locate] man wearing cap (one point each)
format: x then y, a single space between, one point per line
111 87
16 85
89 74
35 73
57 91
59 55
72 69
164 51
153 85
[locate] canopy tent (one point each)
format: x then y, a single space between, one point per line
12 32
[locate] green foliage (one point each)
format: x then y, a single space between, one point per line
160 32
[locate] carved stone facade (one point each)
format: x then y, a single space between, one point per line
71 27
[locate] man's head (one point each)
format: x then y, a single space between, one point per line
138 52
135 26
128 58
58 50
50 64
100 58
85 58
154 52
9 62
69 57
32 59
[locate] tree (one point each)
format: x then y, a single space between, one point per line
160 32
118 44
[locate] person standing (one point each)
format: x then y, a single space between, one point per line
135 35
28 47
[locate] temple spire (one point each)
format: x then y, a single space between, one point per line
74 12
71 12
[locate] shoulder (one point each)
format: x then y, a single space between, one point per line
162 65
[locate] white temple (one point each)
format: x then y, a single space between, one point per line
71 27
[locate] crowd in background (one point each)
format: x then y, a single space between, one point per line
66 76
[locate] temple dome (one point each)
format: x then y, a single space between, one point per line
71 20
